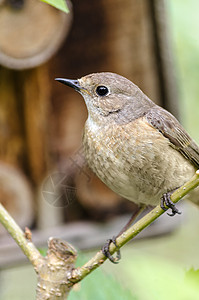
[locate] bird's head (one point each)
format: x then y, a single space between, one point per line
110 96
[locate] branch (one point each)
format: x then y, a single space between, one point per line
56 273
19 236
79 273
53 282
52 270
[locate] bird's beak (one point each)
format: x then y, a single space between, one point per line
70 82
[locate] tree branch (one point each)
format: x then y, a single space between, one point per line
79 273
53 282
56 273
52 270
18 235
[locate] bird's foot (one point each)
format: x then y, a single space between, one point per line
167 203
106 252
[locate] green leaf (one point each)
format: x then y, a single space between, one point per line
59 4
192 276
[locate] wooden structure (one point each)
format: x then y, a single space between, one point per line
41 121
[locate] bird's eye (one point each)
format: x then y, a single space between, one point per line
102 90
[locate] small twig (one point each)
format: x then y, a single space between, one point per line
79 273
18 235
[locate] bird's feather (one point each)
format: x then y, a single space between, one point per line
168 125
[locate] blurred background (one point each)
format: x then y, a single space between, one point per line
44 181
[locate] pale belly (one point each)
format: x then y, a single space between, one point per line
139 165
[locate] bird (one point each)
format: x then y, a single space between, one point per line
137 148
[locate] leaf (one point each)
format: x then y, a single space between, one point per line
193 276
59 4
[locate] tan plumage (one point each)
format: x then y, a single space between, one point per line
135 161
135 147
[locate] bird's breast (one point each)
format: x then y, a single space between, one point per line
135 160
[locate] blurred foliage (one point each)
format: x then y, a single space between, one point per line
100 286
142 277
159 279
192 277
184 27
59 4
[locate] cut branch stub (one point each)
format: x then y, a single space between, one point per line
55 269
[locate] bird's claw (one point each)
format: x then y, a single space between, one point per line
167 203
106 252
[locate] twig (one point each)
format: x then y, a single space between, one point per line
18 235
79 273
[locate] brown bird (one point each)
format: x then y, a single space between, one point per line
138 149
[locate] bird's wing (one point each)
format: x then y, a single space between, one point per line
168 125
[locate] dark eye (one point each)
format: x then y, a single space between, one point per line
102 90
